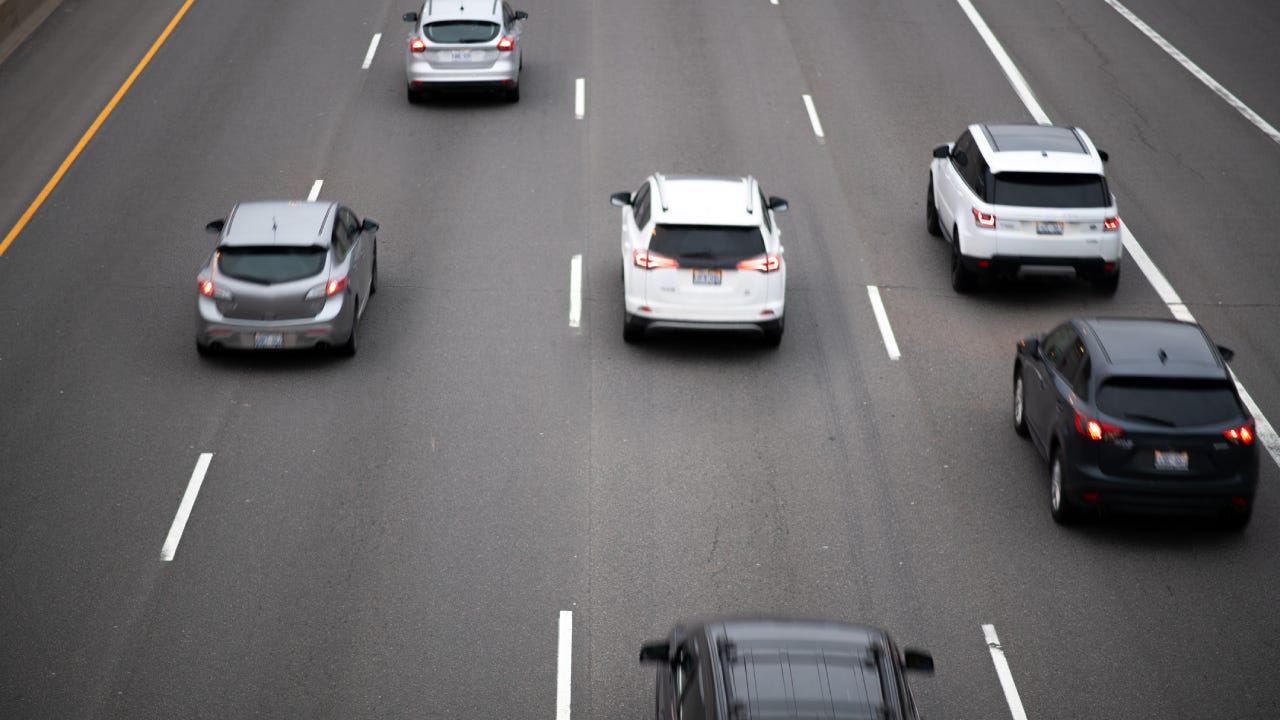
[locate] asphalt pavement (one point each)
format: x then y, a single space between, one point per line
413 532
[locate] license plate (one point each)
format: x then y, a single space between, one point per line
268 340
458 55
707 277
1049 228
1167 460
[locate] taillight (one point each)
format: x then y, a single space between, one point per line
506 44
1096 429
652 261
206 288
1242 435
336 286
983 219
1111 223
418 45
764 263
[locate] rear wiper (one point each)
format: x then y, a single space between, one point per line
1151 419
698 255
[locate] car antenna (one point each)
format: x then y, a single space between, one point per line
1164 357
273 229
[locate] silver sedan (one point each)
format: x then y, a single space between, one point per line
286 275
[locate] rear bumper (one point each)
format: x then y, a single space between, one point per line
754 326
1169 496
503 74
331 327
1091 268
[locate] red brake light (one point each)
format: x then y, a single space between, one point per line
983 219
1111 223
1242 435
206 288
651 261
764 263
336 286
418 45
506 43
1096 429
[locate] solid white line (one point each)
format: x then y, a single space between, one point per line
315 191
564 665
580 98
813 116
1266 431
184 508
1006 677
882 319
373 48
575 291
1011 71
1195 70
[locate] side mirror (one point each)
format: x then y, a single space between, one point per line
655 652
620 199
215 226
942 152
369 225
778 204
1029 346
917 660
1226 353
1104 155
410 17
522 15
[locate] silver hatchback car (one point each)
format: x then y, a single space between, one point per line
286 275
465 45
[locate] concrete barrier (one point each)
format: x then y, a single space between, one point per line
18 18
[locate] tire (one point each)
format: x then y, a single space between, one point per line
1061 509
931 212
414 96
1019 404
513 95
205 351
1107 284
631 333
349 348
373 281
963 280
773 335
1236 521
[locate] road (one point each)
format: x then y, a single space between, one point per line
398 535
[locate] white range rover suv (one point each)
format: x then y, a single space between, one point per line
701 253
1013 197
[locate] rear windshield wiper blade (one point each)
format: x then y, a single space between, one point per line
1151 419
698 255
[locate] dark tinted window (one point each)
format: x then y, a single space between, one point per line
641 204
462 31
1176 403
1057 190
707 245
268 265
764 212
968 162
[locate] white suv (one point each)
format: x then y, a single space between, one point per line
1024 197
701 253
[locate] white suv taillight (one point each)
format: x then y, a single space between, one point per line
652 261
982 219
1111 223
764 263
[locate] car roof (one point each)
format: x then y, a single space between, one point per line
1155 348
790 668
285 222
1027 147
445 10
706 200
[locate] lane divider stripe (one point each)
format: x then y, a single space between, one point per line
580 98
93 130
564 665
315 190
184 508
575 291
813 116
882 319
1006 676
373 48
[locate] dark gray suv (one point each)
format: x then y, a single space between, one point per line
1136 415
724 669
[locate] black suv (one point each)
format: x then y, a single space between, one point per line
739 669
1136 415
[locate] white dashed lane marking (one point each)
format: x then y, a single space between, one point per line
813 116
564 665
882 319
373 48
1006 676
580 98
575 291
315 191
170 547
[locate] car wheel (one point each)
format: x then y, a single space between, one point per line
513 95
931 212
773 335
414 96
373 280
1019 404
205 350
1236 521
963 280
631 332
1107 284
1061 509
349 347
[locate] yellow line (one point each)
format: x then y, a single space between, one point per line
93 130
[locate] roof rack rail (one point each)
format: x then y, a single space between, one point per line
751 201
495 6
662 191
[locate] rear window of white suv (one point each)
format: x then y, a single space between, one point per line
1054 190
707 245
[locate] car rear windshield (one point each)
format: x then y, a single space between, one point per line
1055 190
707 245
269 265
1173 403
462 31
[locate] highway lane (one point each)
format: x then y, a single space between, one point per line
374 575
